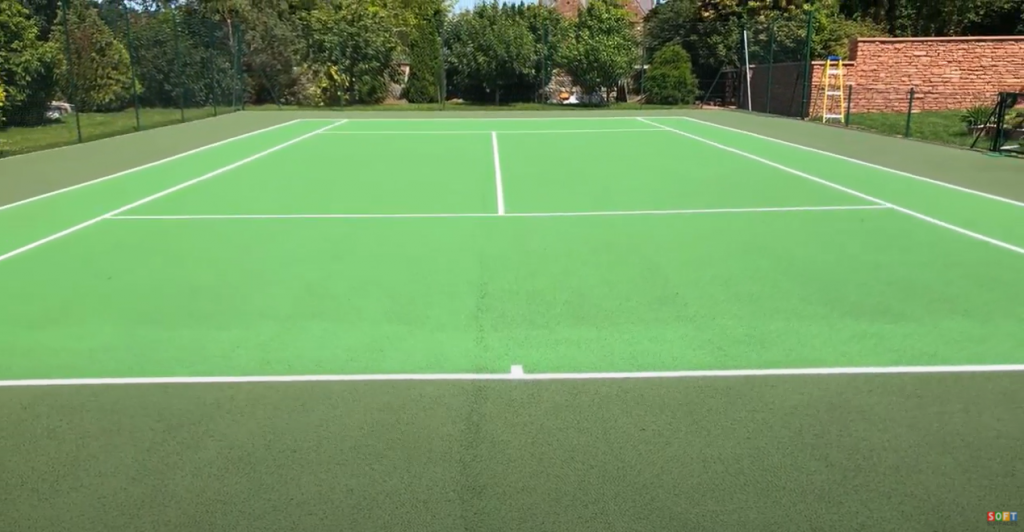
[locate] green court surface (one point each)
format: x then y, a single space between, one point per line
572 323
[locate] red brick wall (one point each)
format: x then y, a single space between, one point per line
946 73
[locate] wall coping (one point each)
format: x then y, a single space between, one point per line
941 39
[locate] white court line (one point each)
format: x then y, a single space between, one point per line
500 190
915 214
147 199
487 119
531 132
860 162
489 215
143 167
513 376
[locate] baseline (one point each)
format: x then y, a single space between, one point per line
873 199
490 215
517 374
160 194
511 132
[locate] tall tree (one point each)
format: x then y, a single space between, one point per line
491 47
99 73
423 85
602 47
26 66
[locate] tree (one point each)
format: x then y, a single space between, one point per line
668 23
3 99
670 80
25 66
358 39
99 75
424 62
491 48
602 47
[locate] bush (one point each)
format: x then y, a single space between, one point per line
100 68
670 80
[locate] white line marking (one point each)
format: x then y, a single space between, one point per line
490 215
138 168
915 214
860 162
488 119
159 194
517 371
500 191
894 370
531 131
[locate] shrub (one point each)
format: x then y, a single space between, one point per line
976 116
670 80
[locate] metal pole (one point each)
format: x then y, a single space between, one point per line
910 109
805 101
771 62
71 71
849 104
746 68
131 65
177 62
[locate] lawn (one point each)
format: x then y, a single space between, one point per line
943 127
95 126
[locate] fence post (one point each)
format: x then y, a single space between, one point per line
71 71
237 96
177 62
771 63
910 109
805 100
211 45
849 104
131 64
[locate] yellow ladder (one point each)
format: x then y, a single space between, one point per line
833 101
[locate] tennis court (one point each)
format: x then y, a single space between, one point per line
658 322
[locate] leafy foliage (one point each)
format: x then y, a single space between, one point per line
424 62
99 64
976 116
601 49
491 47
671 81
358 39
26 66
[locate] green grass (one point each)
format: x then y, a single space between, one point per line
943 127
95 126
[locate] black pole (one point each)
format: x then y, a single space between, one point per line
71 71
131 64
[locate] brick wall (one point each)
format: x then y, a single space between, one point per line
946 73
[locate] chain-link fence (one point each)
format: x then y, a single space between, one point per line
121 67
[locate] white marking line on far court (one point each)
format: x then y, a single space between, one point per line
162 193
491 215
512 376
915 214
499 189
508 132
